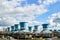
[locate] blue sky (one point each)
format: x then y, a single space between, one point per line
53 8
33 10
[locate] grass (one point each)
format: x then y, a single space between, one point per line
35 39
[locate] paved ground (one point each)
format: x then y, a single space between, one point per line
55 38
3 39
35 39
7 39
43 39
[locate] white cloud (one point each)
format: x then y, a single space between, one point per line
48 2
7 21
32 23
9 11
53 17
40 1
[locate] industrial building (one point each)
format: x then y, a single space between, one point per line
24 27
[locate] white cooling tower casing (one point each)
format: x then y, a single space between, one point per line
9 29
53 28
40 28
25 27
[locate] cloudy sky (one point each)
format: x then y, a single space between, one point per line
15 11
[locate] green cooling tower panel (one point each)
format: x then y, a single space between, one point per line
12 28
8 29
22 24
36 27
16 27
29 28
